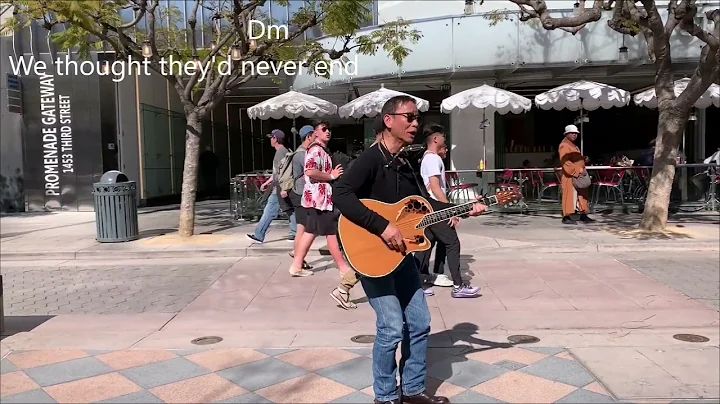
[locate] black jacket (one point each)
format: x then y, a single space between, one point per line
371 178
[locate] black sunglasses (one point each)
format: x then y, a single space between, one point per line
411 117
325 129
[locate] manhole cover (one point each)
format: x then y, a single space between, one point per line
206 340
691 338
523 339
363 339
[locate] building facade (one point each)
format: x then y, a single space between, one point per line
464 50
11 143
137 125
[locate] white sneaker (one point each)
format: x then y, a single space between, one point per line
442 280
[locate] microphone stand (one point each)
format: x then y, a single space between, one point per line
405 152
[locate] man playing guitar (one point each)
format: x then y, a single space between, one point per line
398 299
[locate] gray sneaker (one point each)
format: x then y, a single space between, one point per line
465 291
342 298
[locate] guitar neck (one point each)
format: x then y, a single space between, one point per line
455 211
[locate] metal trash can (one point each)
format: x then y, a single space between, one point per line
116 216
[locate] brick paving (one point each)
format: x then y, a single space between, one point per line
502 374
131 287
695 274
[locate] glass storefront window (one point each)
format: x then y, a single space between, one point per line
126 14
262 12
373 19
294 6
142 24
207 28
279 13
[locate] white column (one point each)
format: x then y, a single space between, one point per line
467 139
127 127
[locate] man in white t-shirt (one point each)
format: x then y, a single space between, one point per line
432 170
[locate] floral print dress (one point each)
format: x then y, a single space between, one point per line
317 195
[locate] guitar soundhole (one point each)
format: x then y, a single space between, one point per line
419 239
416 207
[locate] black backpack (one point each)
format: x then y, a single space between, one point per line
342 159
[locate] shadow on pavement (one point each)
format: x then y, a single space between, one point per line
626 226
464 343
155 232
18 324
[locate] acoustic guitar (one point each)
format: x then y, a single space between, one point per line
370 256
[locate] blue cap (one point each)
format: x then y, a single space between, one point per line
277 134
306 130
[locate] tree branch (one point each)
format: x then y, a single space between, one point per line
654 20
708 70
538 9
686 19
672 21
137 18
623 20
192 22
152 32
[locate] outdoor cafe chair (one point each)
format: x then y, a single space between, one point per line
609 180
457 188
548 181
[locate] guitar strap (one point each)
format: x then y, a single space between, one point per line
418 181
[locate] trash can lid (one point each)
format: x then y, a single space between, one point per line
113 177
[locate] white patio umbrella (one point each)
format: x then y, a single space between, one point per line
292 105
487 98
711 96
370 104
582 95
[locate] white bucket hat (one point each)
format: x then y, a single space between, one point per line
571 129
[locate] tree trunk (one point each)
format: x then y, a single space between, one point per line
671 124
190 173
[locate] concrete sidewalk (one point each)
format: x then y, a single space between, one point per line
602 328
62 236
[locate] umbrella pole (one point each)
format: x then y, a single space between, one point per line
252 143
293 135
683 173
582 135
484 147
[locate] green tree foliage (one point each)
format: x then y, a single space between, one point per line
97 25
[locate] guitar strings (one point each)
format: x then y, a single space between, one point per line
408 224
410 221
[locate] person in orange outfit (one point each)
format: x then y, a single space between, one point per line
573 165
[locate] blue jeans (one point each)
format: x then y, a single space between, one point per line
271 211
402 317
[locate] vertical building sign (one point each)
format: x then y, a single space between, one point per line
57 141
57 175
66 140
49 125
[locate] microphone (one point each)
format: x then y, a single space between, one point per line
409 149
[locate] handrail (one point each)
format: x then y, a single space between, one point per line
553 169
